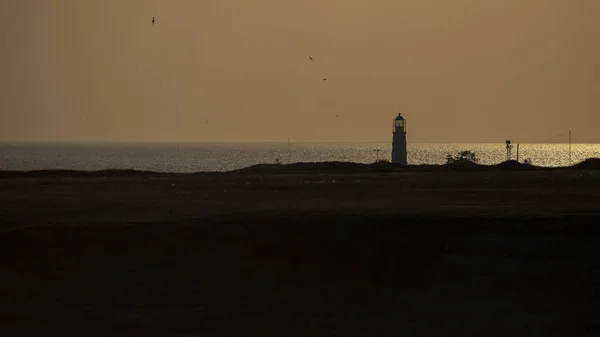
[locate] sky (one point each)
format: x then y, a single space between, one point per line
225 70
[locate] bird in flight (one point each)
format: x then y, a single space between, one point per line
152 21
310 58
324 79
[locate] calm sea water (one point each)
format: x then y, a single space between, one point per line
192 157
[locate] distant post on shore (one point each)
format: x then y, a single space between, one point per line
399 154
570 161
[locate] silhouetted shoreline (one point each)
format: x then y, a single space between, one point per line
318 167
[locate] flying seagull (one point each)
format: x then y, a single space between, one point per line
152 21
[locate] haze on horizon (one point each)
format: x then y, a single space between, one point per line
223 70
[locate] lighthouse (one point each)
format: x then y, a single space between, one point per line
399 141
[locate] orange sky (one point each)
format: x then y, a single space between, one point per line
224 70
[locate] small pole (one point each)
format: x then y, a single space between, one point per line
570 147
289 150
517 152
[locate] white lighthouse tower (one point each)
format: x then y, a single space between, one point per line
399 141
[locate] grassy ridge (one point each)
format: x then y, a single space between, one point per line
512 165
317 167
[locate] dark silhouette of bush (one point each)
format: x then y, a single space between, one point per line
462 157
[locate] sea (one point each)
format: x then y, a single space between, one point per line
204 157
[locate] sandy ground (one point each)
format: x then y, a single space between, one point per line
371 254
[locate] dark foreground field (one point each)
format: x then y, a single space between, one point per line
490 253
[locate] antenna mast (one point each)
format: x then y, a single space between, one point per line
570 147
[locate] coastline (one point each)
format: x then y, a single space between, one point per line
317 168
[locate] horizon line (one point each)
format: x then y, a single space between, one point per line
255 142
